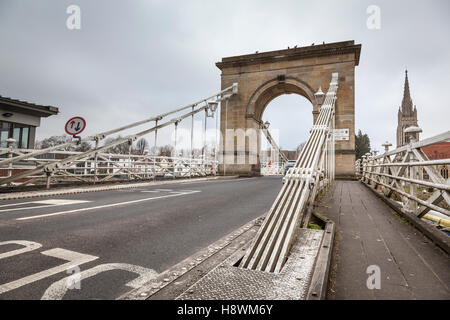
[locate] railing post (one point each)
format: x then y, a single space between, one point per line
48 182
364 168
369 168
9 144
95 161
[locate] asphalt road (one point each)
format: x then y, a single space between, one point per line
118 239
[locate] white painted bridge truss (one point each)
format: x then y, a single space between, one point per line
54 165
313 171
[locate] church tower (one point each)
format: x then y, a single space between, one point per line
407 115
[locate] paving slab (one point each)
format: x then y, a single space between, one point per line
368 232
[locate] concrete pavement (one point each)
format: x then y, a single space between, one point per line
368 234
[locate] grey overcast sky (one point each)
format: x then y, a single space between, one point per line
132 59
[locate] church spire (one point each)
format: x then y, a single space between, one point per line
407 115
406 102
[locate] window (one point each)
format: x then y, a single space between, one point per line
19 132
444 173
5 128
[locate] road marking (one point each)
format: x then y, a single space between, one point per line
150 191
104 206
73 258
46 204
218 180
59 288
163 190
15 204
29 246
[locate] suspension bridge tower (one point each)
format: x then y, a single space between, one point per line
262 77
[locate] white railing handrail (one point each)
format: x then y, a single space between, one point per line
403 170
443 137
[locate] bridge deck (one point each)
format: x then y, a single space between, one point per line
368 232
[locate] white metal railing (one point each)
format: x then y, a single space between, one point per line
106 167
409 177
15 165
313 170
272 168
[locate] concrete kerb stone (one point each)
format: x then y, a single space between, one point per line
57 192
319 282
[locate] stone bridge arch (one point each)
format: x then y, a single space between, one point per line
261 77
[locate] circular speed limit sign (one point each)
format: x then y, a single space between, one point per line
75 125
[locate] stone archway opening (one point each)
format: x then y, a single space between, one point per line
290 119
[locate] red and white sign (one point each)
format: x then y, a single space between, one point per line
75 125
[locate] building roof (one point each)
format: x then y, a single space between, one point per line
437 151
27 107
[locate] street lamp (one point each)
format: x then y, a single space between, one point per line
211 109
319 96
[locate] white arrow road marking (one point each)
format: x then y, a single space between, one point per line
103 206
46 204
59 288
29 246
74 258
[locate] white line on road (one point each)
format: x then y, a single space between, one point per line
73 258
46 204
104 206
15 204
171 191
58 289
28 246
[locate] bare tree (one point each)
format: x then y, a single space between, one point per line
83 147
300 147
54 141
57 140
122 148
166 151
141 145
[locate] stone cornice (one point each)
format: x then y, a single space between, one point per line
329 49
